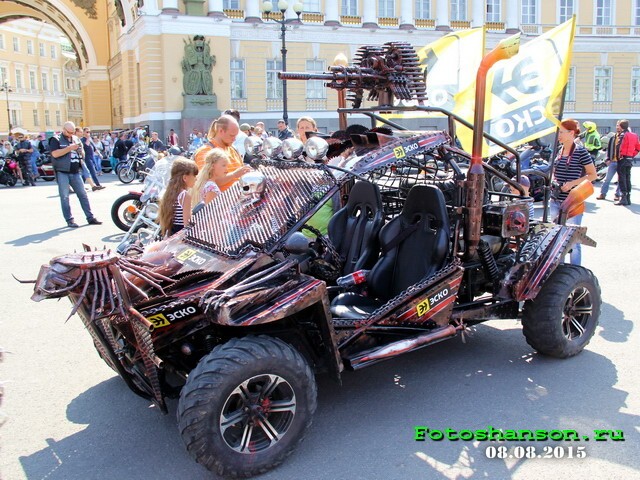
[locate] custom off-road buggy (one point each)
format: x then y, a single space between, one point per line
237 313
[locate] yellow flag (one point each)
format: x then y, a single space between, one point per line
523 93
449 65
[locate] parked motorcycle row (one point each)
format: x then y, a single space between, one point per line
535 164
9 170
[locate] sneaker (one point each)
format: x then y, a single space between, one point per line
93 189
72 224
94 221
600 197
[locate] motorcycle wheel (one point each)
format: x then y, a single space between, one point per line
11 182
127 174
125 210
120 165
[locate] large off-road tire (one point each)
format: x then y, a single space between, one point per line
246 406
561 320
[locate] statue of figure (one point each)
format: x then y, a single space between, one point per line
196 66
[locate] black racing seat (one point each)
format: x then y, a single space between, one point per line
414 246
354 229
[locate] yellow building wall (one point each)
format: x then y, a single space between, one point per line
96 99
172 51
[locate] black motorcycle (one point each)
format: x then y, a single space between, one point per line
140 159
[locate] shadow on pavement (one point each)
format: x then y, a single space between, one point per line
115 238
615 328
38 237
125 437
364 429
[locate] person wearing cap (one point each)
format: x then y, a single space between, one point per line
283 131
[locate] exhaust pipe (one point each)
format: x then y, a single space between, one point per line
402 346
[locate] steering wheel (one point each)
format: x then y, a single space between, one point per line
327 265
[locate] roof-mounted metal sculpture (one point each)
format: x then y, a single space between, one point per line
388 72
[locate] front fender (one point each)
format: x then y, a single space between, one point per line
539 256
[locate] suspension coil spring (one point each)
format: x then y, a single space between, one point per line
488 261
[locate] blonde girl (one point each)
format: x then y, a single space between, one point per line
215 167
175 206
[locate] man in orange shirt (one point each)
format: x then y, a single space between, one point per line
222 134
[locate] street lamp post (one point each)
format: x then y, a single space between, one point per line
267 8
7 89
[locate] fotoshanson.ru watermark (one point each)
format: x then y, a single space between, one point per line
423 433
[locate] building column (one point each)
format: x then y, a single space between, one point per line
170 6
478 13
331 15
215 9
252 12
150 7
512 26
406 15
370 17
442 16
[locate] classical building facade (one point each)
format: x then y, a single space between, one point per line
131 70
35 66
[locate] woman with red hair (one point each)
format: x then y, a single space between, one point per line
572 166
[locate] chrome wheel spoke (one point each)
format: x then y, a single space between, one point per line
269 430
243 392
283 406
581 296
247 433
231 420
271 385
577 325
585 310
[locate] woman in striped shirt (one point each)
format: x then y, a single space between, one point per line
572 166
175 206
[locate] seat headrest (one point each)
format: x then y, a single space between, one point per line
426 200
365 192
